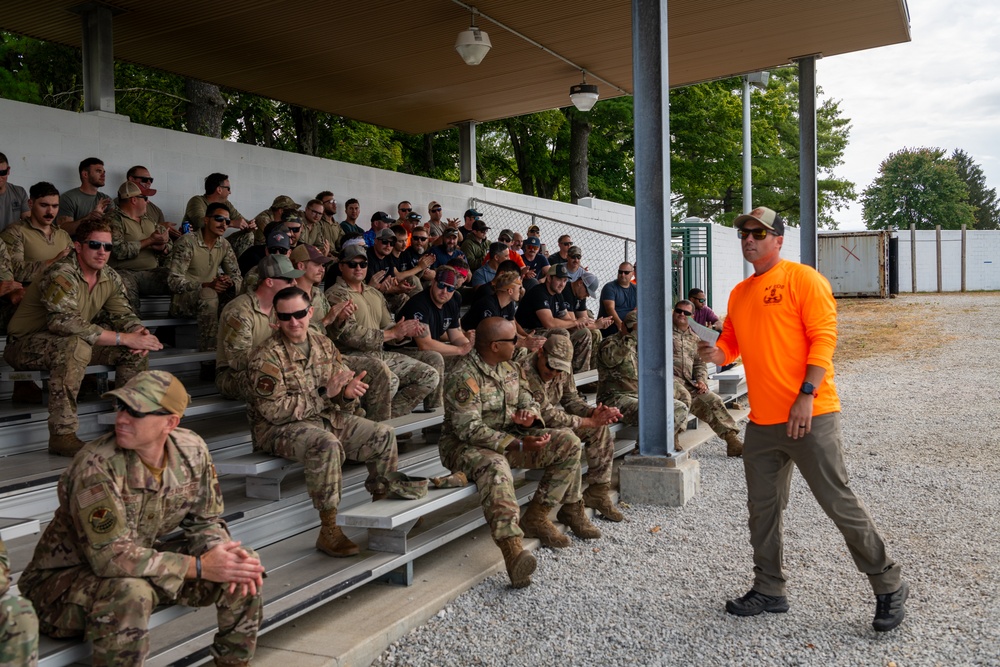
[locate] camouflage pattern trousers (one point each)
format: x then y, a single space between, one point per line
18 632
66 358
416 380
323 445
114 614
151 282
707 407
585 343
232 384
382 385
491 472
599 448
203 304
629 407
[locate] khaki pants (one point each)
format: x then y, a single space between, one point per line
768 457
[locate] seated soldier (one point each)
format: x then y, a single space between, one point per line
492 424
535 262
438 310
692 374
18 622
11 291
703 315
279 242
86 202
370 328
545 307
202 268
54 329
280 205
139 245
36 243
301 407
618 376
549 377
377 400
319 231
383 269
240 233
245 323
100 569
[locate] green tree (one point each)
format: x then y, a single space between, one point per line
917 186
982 198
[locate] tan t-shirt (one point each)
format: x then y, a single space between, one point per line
30 248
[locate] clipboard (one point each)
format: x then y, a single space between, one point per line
710 336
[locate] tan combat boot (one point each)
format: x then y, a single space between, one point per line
574 516
598 497
65 444
520 563
332 540
535 523
734 446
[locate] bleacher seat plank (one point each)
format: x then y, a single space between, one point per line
11 529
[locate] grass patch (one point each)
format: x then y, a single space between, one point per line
869 327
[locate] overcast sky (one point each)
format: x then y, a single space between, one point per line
941 89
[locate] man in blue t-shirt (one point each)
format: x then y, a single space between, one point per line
618 298
447 250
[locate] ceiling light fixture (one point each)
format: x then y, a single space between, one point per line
473 44
584 95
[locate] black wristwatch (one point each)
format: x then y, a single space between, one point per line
808 388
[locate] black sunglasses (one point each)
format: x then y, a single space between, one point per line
121 406
759 234
418 238
504 239
700 298
681 311
97 245
4 172
512 341
357 265
221 218
278 250
623 273
293 230
405 210
549 366
435 210
446 286
298 314
566 243
148 180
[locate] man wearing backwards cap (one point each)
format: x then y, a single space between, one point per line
246 322
195 277
439 311
99 569
548 373
138 243
301 406
783 321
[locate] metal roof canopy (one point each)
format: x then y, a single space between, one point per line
392 62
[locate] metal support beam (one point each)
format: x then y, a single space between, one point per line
747 177
467 152
98 56
808 187
652 206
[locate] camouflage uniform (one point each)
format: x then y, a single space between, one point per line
382 384
18 623
138 267
244 326
53 330
29 249
194 212
6 273
99 568
563 407
191 264
324 230
690 369
479 403
618 375
362 334
292 417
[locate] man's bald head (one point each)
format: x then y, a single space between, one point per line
493 329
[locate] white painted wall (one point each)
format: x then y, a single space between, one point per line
982 260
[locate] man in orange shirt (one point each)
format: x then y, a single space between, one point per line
783 320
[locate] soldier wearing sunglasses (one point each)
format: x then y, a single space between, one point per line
54 329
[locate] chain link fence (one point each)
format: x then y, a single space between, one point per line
602 252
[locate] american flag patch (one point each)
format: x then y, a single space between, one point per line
92 495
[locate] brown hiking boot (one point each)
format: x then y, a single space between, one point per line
536 523
734 446
26 391
574 516
520 563
65 444
598 497
332 540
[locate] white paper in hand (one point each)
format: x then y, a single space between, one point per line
710 336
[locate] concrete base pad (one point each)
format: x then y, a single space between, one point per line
650 480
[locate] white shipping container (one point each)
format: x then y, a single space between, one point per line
855 263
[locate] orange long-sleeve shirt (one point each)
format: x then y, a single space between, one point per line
781 322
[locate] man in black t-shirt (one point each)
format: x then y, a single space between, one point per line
534 261
383 267
544 307
438 309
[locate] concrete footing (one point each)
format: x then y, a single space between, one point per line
659 480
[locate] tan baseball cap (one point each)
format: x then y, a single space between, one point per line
559 351
150 391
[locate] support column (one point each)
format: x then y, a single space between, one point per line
808 187
98 56
747 165
467 152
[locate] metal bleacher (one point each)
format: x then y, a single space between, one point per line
273 514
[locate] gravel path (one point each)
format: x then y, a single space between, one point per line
921 446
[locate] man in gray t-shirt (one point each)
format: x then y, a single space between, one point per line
13 198
85 202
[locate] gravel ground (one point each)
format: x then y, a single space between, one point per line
921 447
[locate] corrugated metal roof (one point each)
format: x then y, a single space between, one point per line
392 62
